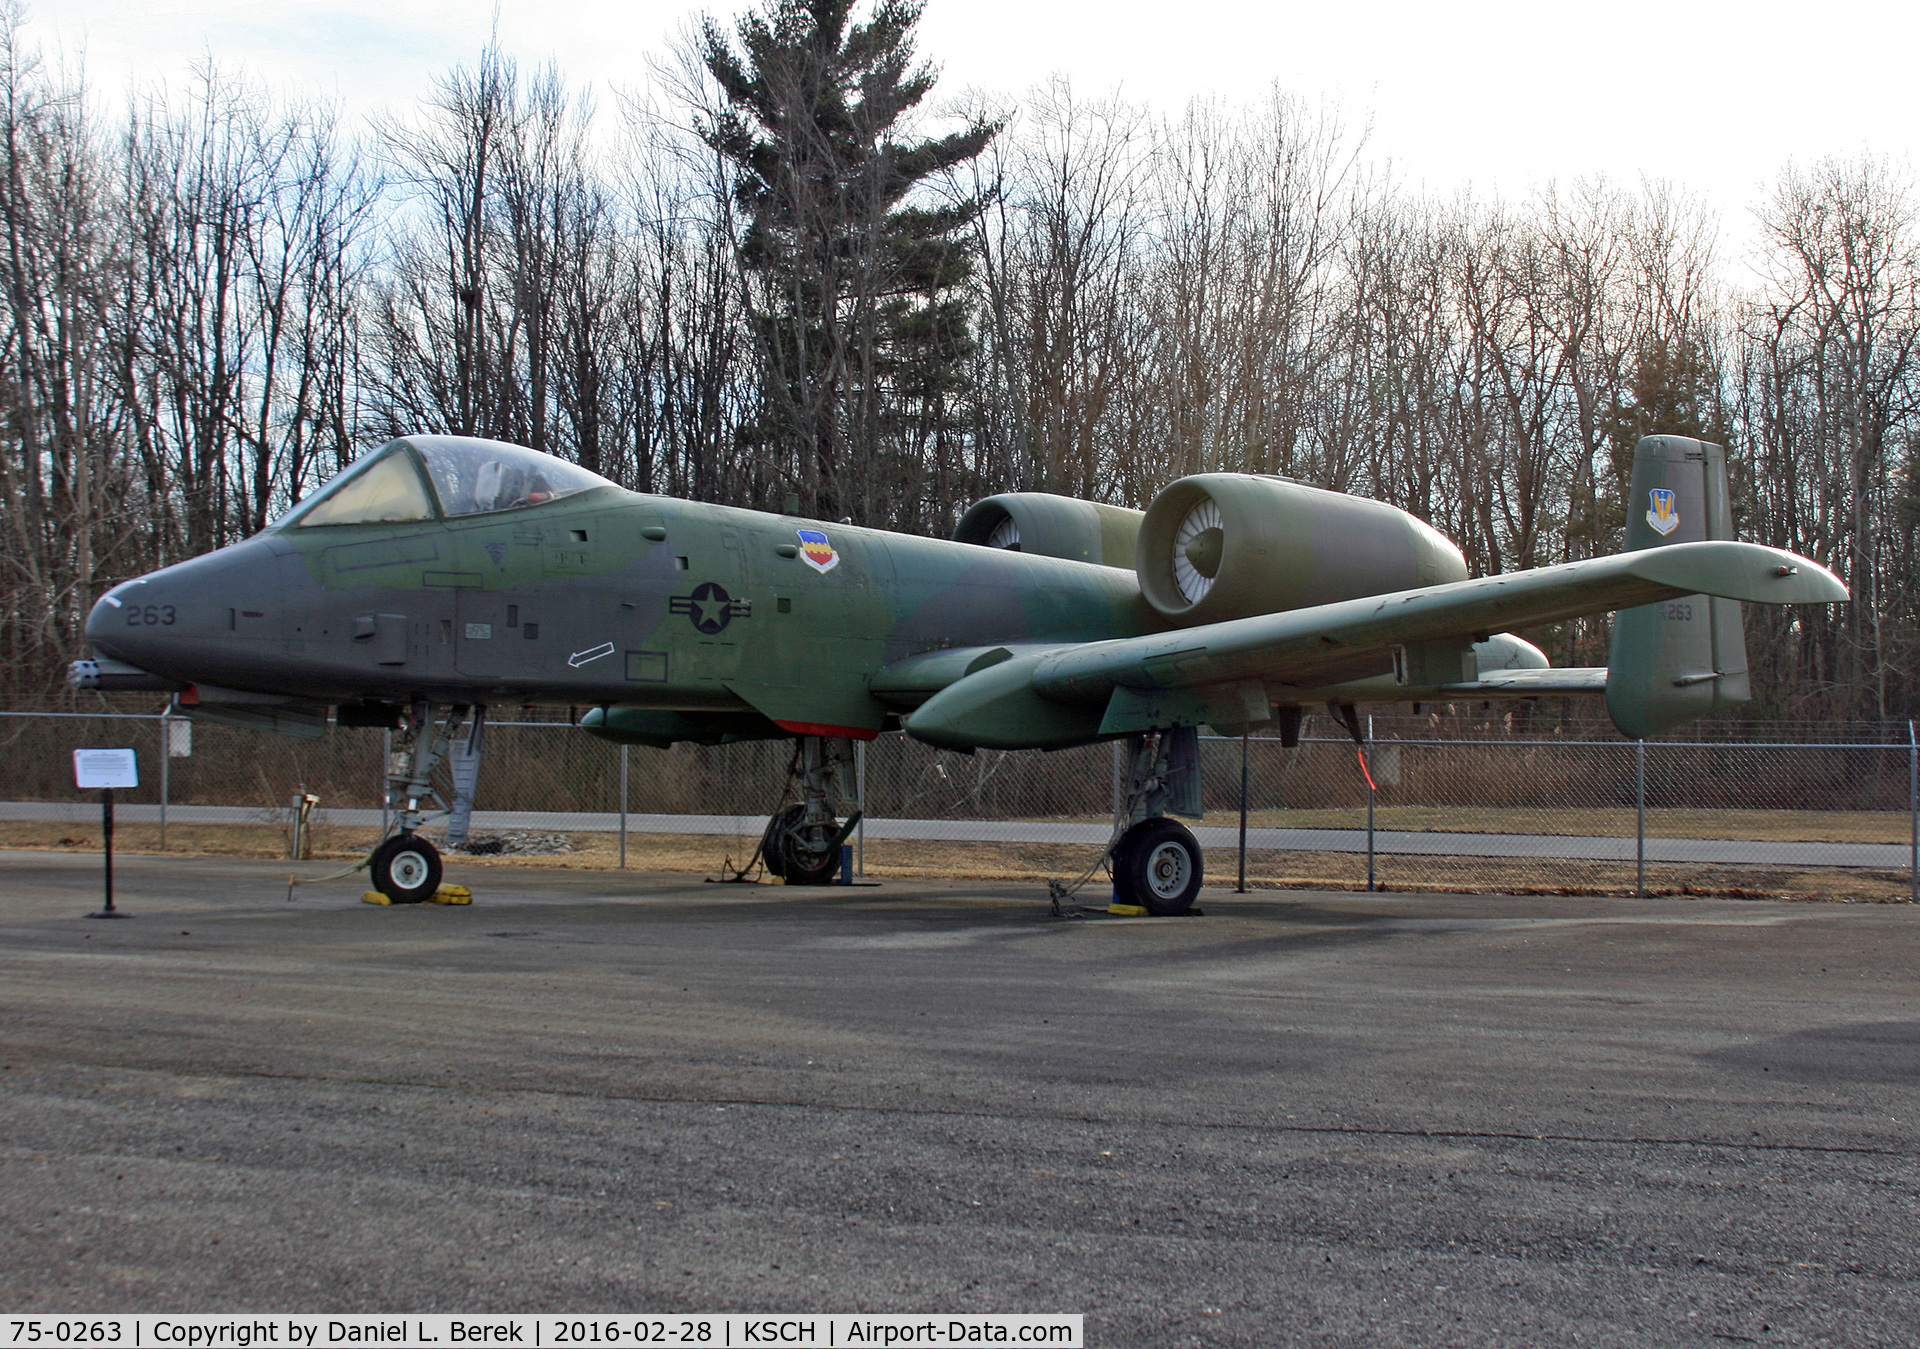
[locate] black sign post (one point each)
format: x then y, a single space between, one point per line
106 848
106 769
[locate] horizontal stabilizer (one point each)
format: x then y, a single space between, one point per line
1533 683
1749 572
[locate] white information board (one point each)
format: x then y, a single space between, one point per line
95 768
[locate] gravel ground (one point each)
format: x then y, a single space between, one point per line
1304 1118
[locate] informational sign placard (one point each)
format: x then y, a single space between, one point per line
97 768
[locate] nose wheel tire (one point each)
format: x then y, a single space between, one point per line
787 855
406 869
1156 865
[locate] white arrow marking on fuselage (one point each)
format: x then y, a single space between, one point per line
580 658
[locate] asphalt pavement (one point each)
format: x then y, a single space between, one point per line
1301 1119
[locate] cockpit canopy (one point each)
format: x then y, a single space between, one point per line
463 475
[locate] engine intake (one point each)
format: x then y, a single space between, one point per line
1229 545
1052 526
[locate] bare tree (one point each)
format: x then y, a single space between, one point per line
69 508
1831 394
748 295
1057 282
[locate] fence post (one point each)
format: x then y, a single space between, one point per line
386 765
166 758
1640 819
623 807
1117 799
1241 889
1370 795
860 802
1913 808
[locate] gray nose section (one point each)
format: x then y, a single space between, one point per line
207 621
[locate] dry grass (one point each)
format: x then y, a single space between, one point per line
1806 826
187 840
706 854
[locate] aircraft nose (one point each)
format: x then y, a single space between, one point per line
180 621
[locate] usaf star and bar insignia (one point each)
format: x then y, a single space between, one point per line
710 607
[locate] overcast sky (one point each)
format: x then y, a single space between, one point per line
1496 96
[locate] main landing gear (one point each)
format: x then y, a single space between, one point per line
405 867
1156 861
802 842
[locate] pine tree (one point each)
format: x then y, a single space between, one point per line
1674 390
853 288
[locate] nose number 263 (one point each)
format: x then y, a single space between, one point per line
150 615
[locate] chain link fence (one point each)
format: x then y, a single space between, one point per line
1439 803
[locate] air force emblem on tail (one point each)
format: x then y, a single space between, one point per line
816 550
1663 517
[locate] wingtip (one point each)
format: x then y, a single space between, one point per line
1749 572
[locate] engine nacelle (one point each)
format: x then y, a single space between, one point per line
1052 526
1230 545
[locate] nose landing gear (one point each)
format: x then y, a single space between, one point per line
405 867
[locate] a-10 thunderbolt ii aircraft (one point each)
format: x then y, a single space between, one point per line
441 575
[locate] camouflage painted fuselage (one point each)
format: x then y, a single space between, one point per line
605 597
450 570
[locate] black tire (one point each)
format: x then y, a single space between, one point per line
791 862
773 842
1156 865
406 869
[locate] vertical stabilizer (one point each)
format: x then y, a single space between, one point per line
1681 659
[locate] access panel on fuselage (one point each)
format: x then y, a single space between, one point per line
550 615
819 623
372 615
684 612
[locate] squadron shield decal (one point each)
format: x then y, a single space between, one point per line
816 550
1663 517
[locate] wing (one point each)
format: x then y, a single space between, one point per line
1224 672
